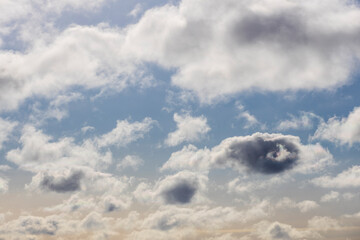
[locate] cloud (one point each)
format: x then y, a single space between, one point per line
257 46
260 153
4 185
275 230
78 179
6 127
332 196
60 182
346 179
40 151
304 121
189 129
125 133
250 119
323 223
342 131
303 206
136 10
130 161
181 188
93 62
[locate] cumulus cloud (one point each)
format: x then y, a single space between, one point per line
181 188
84 179
304 121
331 196
261 153
41 151
60 182
125 133
323 223
346 179
4 185
6 127
93 61
250 119
303 206
260 45
189 129
342 131
130 161
275 230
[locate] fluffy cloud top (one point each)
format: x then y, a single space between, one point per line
189 129
343 131
261 152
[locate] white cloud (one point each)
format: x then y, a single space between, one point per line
189 129
266 230
346 179
304 121
130 161
331 196
125 133
136 10
250 119
253 153
256 46
323 223
6 127
41 152
343 131
303 206
4 185
83 56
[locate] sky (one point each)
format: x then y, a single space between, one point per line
179 119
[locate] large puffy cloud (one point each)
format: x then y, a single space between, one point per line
184 187
189 129
346 179
220 49
40 151
261 152
80 56
343 131
61 182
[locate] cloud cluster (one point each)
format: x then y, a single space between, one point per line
130 161
189 129
343 131
260 45
260 153
184 187
349 178
304 121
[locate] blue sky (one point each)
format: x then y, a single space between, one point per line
179 119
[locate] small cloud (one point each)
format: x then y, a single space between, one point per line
136 10
189 129
130 161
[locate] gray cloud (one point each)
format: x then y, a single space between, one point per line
62 184
181 193
262 153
